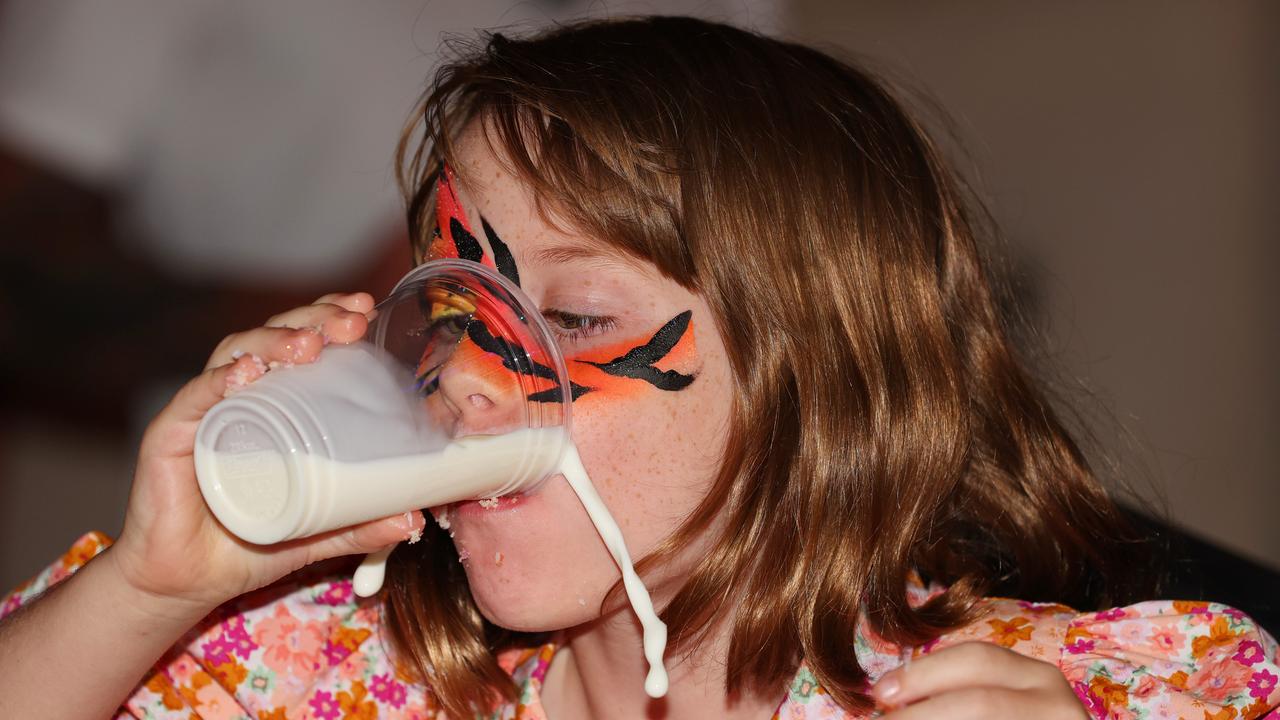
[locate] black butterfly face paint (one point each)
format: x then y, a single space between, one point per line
620 369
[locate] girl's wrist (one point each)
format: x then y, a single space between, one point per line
94 621
144 604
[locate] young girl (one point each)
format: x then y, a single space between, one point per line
791 386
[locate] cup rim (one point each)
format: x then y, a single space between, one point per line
528 309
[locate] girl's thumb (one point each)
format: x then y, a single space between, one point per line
369 537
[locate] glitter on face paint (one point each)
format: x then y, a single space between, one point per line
638 363
488 503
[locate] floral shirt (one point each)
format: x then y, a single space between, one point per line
308 648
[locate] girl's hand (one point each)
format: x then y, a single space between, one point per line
977 680
172 547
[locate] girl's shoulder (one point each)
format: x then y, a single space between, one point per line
303 647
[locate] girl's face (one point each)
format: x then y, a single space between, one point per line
652 400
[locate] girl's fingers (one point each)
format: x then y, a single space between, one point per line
196 397
336 322
307 315
967 665
367 537
342 317
252 351
361 302
192 401
285 345
337 317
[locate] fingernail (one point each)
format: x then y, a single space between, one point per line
887 687
408 523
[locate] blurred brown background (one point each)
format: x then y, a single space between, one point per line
171 172
1129 152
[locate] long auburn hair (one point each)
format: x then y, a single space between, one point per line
884 423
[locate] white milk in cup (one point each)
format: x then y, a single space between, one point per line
459 392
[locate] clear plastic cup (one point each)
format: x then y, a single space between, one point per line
458 393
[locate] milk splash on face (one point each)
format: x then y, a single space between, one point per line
369 576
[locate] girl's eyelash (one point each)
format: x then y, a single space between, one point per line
572 326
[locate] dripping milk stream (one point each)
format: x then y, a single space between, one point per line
369 576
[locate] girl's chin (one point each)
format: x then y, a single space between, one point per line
525 599
534 562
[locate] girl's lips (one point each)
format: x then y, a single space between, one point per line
473 508
501 505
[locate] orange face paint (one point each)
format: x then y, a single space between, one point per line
623 369
631 367
453 237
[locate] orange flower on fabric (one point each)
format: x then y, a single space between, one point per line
1077 632
353 704
216 704
160 685
1255 710
1112 694
1219 636
82 552
230 674
1190 607
198 680
1048 608
349 638
1008 634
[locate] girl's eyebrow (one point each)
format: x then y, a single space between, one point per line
593 253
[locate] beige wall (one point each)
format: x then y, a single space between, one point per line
1131 153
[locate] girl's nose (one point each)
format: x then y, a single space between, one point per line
485 396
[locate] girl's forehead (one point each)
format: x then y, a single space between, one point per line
488 194
483 182
487 190
485 196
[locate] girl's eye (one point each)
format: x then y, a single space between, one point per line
571 326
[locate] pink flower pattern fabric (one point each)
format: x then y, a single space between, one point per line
307 648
